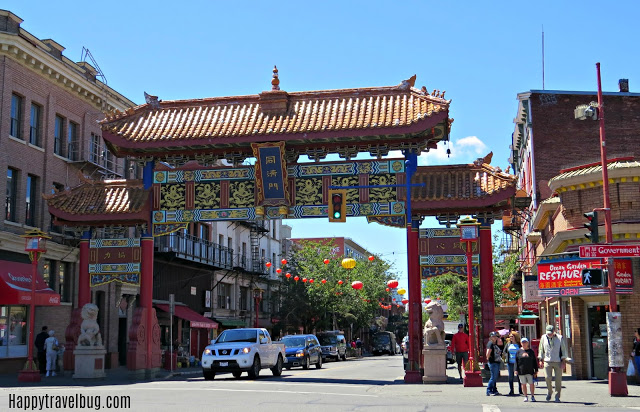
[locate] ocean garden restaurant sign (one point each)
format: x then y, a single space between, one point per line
561 275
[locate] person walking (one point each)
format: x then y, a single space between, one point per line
460 346
512 351
635 355
552 355
42 355
526 369
51 346
494 358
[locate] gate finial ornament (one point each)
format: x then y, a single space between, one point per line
275 82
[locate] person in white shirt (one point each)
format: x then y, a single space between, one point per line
552 355
51 346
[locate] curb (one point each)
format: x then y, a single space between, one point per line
171 375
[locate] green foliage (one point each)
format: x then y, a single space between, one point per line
452 288
316 305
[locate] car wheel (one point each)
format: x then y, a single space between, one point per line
277 370
237 374
344 357
208 375
306 363
319 364
255 368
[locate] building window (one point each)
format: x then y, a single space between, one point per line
95 149
48 275
14 330
30 216
244 297
72 141
35 125
221 240
58 133
12 191
224 295
16 116
204 232
64 282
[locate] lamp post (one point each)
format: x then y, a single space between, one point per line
257 296
35 243
469 234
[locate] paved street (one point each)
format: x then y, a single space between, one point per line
372 384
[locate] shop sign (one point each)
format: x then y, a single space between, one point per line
562 276
602 251
530 306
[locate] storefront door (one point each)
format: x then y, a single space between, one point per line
597 323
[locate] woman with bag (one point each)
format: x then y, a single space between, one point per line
635 356
51 346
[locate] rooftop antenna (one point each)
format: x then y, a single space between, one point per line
543 57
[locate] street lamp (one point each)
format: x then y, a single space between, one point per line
257 296
35 243
469 234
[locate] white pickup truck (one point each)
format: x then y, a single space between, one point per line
243 350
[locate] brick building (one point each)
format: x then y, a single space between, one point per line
556 159
49 108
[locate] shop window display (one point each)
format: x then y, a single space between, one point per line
13 331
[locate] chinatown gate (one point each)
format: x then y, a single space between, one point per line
182 145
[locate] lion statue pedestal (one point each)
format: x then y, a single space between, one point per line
435 349
89 354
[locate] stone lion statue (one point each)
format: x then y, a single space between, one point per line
434 328
89 329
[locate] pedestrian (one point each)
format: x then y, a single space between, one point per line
512 351
494 358
460 346
359 347
635 355
526 368
51 346
39 344
552 355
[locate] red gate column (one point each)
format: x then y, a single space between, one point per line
486 283
413 374
72 331
84 288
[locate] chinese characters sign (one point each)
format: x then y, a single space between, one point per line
442 252
271 174
562 276
114 260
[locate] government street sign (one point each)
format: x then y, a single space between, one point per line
604 251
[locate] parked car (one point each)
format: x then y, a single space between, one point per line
243 350
403 345
302 350
384 342
450 355
334 345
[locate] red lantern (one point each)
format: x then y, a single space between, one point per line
357 285
278 271
288 275
405 301
310 280
296 278
268 264
394 299
387 289
324 281
340 282
427 301
304 280
371 258
326 261
283 261
392 284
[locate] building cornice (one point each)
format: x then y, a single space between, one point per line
30 52
622 232
587 178
546 208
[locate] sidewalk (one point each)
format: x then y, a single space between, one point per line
117 376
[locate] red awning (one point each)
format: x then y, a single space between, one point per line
196 319
15 286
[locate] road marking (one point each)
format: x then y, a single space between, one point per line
490 408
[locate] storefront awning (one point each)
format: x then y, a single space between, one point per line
15 286
183 312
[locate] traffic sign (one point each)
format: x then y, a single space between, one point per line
594 277
604 251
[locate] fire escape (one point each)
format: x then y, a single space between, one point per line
258 228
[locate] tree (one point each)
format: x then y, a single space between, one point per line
332 304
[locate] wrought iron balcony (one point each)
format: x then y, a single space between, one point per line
196 250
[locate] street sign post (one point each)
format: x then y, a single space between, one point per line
604 251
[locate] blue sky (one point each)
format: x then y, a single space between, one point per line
481 53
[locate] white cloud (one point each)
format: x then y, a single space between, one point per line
464 150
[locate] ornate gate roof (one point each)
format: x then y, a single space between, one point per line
315 123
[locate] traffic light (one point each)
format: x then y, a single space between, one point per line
337 205
595 277
592 226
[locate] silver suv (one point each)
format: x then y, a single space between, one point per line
333 344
